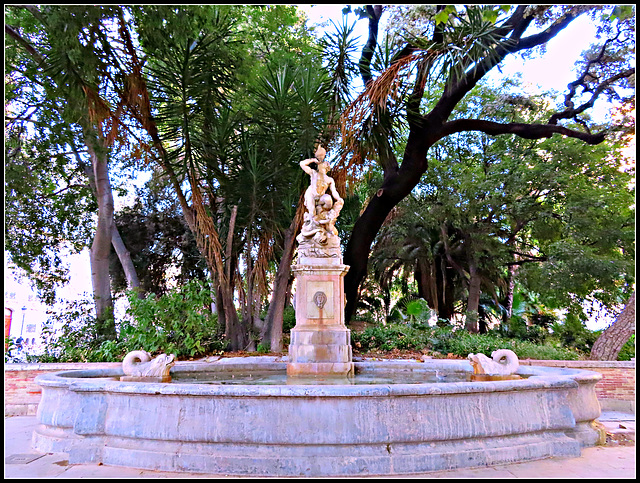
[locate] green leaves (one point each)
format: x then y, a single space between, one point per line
442 16
180 322
622 12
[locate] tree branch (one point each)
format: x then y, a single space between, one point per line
572 112
546 35
526 131
374 13
452 95
13 33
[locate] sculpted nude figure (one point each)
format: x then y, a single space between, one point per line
320 182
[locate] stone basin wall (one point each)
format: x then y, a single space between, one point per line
616 390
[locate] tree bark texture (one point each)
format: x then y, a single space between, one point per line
124 256
608 345
278 301
473 301
101 246
106 231
125 260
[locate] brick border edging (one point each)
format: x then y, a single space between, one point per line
580 364
22 394
616 390
57 366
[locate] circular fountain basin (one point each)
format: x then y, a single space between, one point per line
404 419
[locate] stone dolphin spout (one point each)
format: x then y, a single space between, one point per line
495 365
140 364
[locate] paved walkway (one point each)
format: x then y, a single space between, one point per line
615 460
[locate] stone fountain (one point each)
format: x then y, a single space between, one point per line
319 413
320 342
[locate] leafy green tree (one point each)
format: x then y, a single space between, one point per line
163 249
48 209
226 100
412 102
232 132
489 204
61 82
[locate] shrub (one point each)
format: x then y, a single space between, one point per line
390 337
459 342
516 328
179 322
288 319
78 340
628 350
547 351
573 333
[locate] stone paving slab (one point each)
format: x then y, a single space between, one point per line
595 462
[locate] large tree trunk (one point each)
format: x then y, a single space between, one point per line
280 288
125 260
608 345
116 240
509 296
101 246
445 287
426 130
473 301
395 187
234 330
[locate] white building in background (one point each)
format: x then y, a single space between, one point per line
29 316
25 315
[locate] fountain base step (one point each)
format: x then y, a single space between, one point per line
329 369
317 460
322 351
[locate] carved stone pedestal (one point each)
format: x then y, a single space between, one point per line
320 342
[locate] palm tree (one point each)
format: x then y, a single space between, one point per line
228 131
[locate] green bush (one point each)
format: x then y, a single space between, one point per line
517 328
78 340
446 340
628 350
573 333
389 337
288 319
180 322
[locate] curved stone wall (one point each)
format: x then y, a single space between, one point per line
307 430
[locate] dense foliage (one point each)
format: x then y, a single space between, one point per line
179 322
449 341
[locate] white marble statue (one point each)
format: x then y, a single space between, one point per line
495 366
319 236
140 364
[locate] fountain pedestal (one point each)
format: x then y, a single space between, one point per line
320 342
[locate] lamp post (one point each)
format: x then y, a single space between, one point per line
24 311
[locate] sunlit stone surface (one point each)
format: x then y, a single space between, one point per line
320 342
307 428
